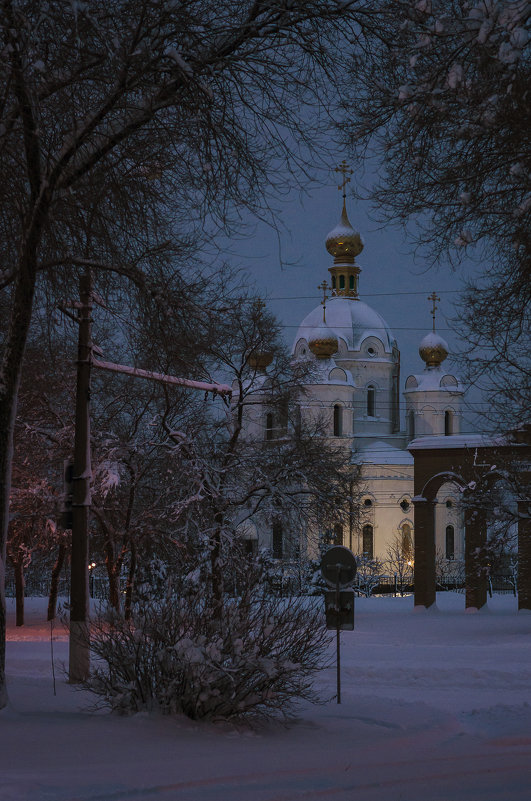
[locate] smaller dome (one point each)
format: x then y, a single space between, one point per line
323 342
260 360
343 241
433 349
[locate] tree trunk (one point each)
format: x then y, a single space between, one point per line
114 587
54 583
18 566
10 372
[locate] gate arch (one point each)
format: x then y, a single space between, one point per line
466 461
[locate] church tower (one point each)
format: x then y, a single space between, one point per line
434 398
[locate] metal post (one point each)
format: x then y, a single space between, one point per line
338 629
79 652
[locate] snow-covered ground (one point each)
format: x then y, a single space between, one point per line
436 706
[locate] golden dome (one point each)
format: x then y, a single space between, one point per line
323 342
343 241
433 349
260 360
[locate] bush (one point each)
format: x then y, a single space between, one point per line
171 656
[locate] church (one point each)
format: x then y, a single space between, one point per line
356 389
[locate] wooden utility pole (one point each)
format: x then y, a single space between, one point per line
79 651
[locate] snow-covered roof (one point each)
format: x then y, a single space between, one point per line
351 320
381 452
431 379
456 441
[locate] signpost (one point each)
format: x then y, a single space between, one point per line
338 568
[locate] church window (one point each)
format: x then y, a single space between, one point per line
278 540
371 351
368 541
450 542
338 534
449 504
371 395
342 282
448 421
333 282
407 542
404 505
351 282
269 426
367 502
338 420
411 424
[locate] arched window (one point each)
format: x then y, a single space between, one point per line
411 424
269 426
342 282
450 542
338 420
448 423
351 282
338 534
333 282
371 394
407 542
278 540
368 541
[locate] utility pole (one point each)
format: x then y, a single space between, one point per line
79 650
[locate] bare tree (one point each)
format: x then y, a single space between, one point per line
123 128
399 561
443 100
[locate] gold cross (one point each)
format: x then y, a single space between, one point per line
323 287
434 299
345 171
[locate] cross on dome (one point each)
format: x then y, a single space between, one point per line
323 287
434 299
346 171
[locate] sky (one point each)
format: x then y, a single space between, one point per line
289 264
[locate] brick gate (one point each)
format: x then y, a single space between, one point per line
467 461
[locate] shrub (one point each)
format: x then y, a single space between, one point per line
258 660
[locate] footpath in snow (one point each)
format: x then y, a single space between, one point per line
436 706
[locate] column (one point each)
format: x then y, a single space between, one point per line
475 559
424 552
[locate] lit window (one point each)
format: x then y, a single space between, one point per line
368 541
407 542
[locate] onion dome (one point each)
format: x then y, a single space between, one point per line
343 242
260 360
323 342
433 349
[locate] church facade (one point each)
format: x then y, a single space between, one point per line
356 390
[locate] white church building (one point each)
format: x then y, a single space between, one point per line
356 389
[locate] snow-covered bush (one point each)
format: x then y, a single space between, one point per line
173 657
